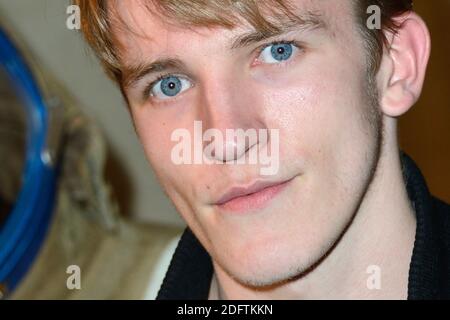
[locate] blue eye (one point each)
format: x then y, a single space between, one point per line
169 87
277 52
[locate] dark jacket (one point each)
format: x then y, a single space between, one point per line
190 271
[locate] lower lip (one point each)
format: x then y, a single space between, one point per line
254 201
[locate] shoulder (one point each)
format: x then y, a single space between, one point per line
441 215
441 211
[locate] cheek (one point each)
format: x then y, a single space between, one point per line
320 112
155 139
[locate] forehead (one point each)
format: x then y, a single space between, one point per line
142 30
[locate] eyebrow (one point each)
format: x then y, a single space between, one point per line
133 73
309 21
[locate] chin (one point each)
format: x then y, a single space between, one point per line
265 273
286 252
262 266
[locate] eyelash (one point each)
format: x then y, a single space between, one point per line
148 88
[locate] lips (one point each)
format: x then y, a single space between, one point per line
256 196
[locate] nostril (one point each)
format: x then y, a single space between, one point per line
250 143
226 151
232 150
234 145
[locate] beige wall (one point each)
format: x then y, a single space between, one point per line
425 131
42 24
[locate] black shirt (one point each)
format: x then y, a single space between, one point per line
190 271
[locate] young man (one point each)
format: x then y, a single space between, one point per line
345 215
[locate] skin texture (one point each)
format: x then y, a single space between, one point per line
346 207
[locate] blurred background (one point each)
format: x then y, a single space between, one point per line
424 132
41 24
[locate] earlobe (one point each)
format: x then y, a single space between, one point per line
405 64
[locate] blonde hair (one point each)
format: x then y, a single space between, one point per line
96 22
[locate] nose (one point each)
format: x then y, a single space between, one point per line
232 119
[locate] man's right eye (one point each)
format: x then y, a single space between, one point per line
168 87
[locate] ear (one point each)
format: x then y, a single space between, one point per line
404 64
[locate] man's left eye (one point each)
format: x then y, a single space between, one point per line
277 52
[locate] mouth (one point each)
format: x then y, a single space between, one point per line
255 197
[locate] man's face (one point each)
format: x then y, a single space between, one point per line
313 90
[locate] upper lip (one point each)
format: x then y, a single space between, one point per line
236 192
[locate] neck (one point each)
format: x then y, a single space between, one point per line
371 261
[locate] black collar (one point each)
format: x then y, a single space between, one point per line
190 271
423 280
